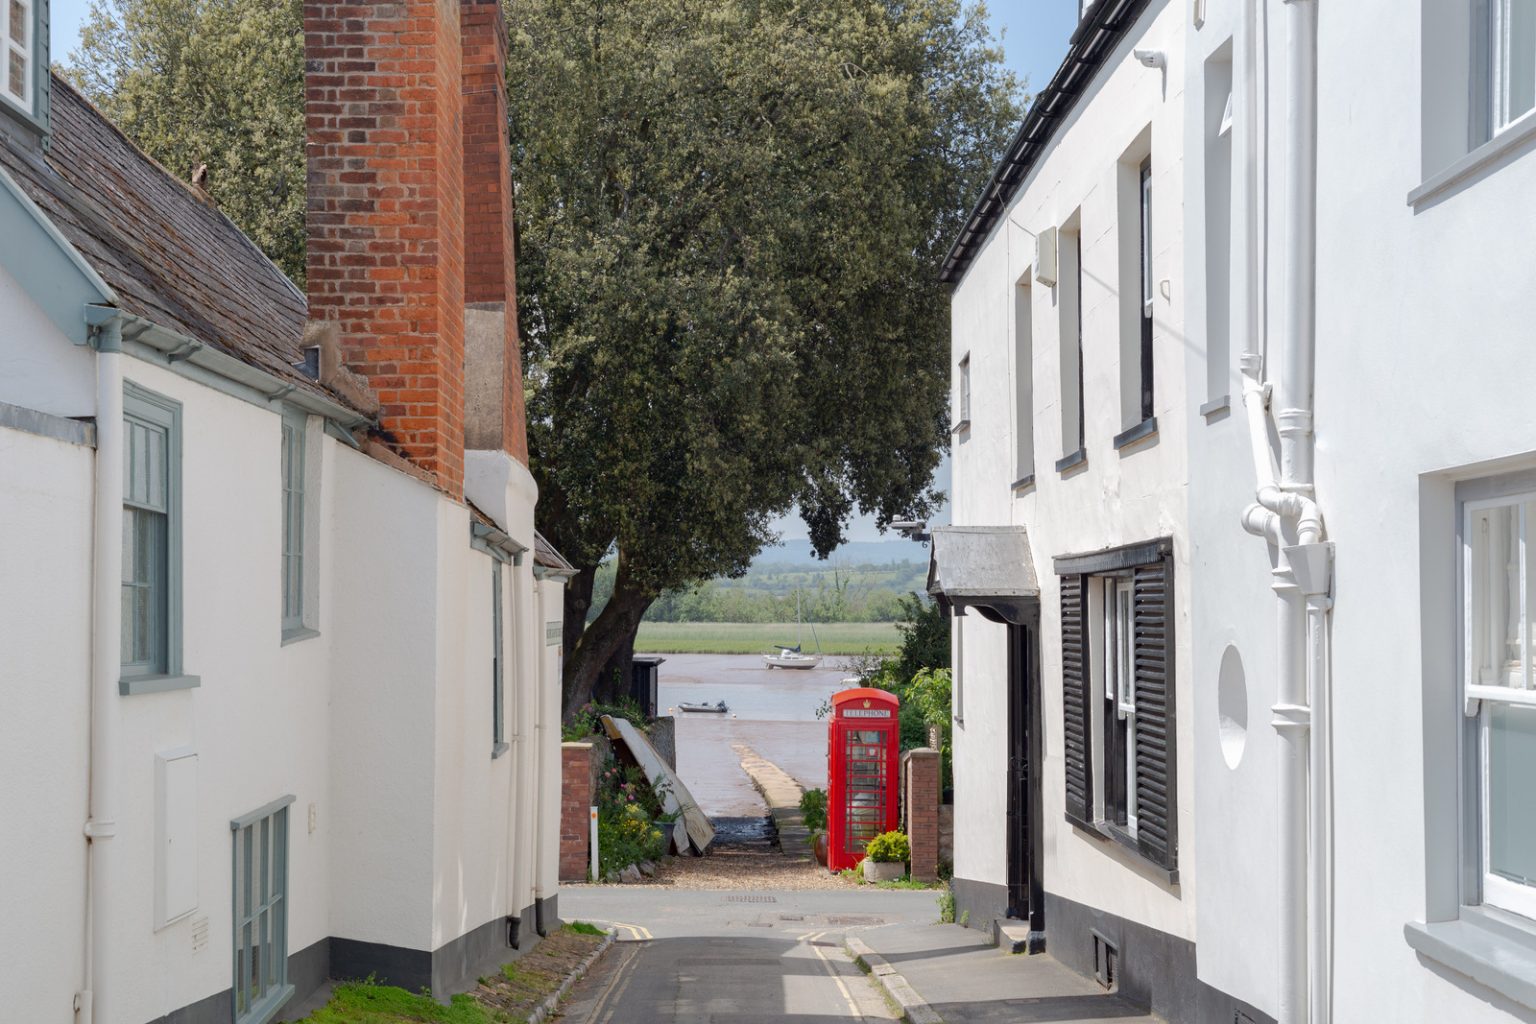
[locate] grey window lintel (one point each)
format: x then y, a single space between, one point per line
129 686
264 811
499 749
1126 556
1484 947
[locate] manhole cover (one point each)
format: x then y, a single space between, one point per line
751 897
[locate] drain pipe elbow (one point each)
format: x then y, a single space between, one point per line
1262 522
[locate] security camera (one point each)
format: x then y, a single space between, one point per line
1151 58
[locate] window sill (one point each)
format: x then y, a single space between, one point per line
961 427
1140 432
1067 463
1497 148
293 636
130 686
269 1007
1216 406
1488 946
499 749
1023 483
1105 832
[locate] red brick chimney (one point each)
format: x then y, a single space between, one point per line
382 104
494 414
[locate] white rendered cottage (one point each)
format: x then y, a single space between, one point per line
273 610
1314 570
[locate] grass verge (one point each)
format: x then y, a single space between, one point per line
505 998
758 637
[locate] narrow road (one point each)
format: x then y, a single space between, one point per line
701 957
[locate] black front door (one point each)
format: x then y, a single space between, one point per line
1026 892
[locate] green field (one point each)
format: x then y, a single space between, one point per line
757 637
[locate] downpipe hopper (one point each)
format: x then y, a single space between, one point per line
1312 567
1291 719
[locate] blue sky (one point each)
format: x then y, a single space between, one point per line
1034 37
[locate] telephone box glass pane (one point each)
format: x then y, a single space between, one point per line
864 778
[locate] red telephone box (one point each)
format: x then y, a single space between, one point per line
863 744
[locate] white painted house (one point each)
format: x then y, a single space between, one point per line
1313 570
280 641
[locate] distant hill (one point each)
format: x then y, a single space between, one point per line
797 554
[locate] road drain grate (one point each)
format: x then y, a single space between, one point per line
751 897
791 917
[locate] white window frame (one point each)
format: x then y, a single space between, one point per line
1480 697
27 48
1499 17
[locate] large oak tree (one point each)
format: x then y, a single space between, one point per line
731 215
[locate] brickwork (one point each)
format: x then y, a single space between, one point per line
575 810
920 797
383 113
490 263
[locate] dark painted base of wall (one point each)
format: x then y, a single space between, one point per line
1157 970
978 904
454 967
546 914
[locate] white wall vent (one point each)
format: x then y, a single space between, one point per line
1046 257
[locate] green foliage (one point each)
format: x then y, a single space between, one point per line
219 82
362 1002
627 809
947 906
813 809
920 677
924 636
589 720
889 848
582 928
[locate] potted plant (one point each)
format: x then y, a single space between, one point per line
885 857
667 822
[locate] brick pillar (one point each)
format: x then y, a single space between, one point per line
575 811
383 115
495 419
920 797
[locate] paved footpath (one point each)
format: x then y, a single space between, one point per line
744 957
741 957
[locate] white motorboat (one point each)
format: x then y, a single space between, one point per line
786 656
791 657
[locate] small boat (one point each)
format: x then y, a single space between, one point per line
718 708
793 657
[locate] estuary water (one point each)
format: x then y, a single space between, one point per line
771 710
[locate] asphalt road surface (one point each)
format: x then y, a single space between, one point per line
741 957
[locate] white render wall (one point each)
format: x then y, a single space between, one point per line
1133 495
45 678
380 726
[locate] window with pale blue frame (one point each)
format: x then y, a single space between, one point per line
260 872
293 523
498 666
151 560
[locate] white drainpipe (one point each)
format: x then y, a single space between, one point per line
1303 572
106 660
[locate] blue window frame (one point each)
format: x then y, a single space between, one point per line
293 567
151 562
260 873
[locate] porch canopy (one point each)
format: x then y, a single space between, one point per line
988 568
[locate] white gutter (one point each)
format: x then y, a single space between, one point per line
106 660
1302 577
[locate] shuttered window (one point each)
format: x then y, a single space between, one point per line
1118 697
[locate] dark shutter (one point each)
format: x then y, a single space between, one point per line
1156 781
1074 685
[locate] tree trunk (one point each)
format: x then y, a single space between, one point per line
578 601
607 636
